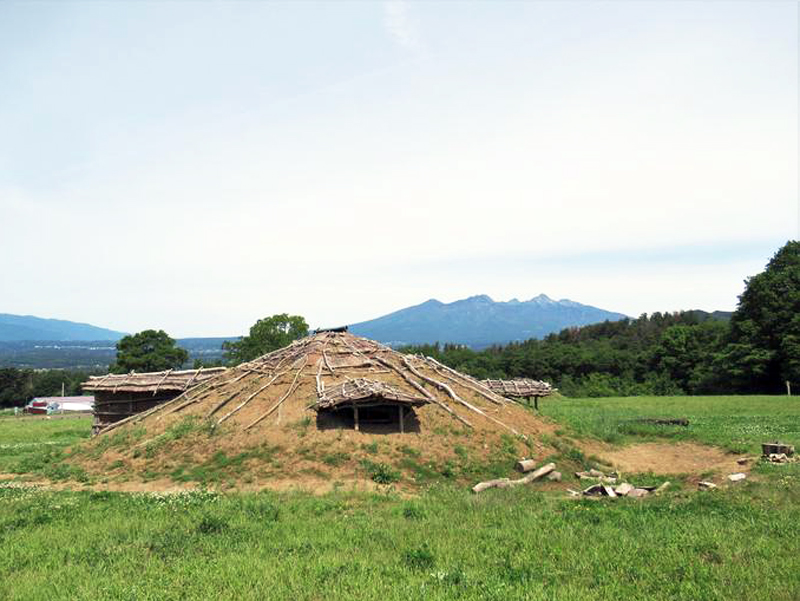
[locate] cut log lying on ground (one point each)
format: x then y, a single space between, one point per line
554 476
661 488
638 492
705 485
506 483
542 471
481 486
737 477
525 465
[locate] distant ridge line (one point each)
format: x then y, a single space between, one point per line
478 321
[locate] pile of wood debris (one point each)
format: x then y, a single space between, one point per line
605 485
525 465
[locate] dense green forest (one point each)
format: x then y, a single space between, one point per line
655 354
691 352
18 386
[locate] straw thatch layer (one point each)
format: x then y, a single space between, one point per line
519 388
154 382
360 391
251 393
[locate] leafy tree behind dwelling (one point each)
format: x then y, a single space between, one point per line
15 385
764 349
150 350
18 386
266 335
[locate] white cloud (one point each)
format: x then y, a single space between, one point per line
324 177
401 25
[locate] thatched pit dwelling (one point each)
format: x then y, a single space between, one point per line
327 395
118 396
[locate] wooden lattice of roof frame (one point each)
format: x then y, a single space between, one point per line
120 396
333 369
521 388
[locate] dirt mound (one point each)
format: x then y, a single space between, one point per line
328 410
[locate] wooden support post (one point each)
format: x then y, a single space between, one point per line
355 417
788 388
402 428
536 401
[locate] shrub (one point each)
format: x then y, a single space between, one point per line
420 558
335 459
212 524
380 472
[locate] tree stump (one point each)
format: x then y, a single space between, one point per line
774 448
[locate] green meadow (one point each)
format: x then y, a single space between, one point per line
737 542
737 423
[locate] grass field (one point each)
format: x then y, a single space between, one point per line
27 439
737 423
736 543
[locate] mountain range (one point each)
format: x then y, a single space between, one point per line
27 327
479 321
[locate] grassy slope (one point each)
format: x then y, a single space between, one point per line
739 543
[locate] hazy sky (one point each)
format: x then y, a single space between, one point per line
197 166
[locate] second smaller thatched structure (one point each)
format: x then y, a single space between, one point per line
520 388
118 396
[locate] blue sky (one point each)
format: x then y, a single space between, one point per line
197 166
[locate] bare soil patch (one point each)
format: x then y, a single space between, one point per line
667 458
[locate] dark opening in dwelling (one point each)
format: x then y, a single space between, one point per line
368 405
375 419
379 414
